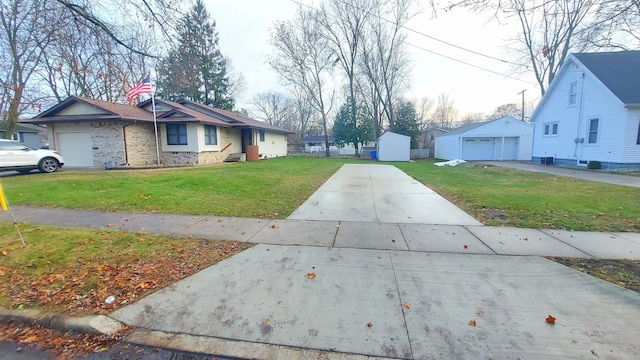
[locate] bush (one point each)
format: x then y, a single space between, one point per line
594 165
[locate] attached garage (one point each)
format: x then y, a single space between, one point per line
76 148
498 140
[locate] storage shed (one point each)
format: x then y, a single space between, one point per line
394 147
497 140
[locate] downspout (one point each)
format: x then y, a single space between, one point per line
577 139
124 140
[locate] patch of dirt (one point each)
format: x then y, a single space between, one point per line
625 273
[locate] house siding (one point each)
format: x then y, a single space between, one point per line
274 144
616 142
141 145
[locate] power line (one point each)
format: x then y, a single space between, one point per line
469 64
444 42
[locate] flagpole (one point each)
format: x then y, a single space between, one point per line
155 124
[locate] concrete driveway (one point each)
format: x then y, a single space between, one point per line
307 302
381 194
589 175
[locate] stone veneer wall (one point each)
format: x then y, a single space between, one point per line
108 146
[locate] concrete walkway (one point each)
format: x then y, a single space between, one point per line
383 289
589 175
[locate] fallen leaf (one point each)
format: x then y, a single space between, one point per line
369 324
110 225
274 226
4 253
466 246
550 319
406 305
479 313
311 275
266 321
472 322
219 220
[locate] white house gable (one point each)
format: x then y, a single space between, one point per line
580 119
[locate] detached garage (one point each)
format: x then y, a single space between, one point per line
497 140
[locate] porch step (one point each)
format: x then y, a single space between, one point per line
235 157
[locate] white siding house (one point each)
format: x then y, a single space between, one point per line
394 147
591 112
503 139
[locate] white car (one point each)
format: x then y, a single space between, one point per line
22 158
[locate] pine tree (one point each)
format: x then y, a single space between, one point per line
195 68
406 122
346 131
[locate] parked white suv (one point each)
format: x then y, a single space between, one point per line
22 158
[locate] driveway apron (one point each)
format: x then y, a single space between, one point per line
379 193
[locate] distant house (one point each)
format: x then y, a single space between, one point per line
502 139
591 112
316 144
93 133
393 147
26 134
427 139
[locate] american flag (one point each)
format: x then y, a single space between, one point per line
143 88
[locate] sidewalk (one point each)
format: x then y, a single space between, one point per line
390 287
479 239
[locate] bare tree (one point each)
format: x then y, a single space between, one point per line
27 27
550 30
304 62
424 112
384 61
445 112
343 25
275 108
501 111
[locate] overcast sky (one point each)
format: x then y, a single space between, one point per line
243 27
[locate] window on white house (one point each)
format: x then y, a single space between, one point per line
593 131
573 93
176 134
210 135
551 129
261 135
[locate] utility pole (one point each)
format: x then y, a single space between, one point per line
522 92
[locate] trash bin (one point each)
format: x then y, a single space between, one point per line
374 154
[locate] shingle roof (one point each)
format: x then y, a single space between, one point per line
182 111
466 127
618 71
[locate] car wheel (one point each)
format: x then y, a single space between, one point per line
48 165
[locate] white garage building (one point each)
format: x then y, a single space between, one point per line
498 140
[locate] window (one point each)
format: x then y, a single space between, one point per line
638 141
176 134
261 135
593 131
551 129
210 135
573 93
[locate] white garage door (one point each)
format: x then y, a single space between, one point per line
478 148
76 149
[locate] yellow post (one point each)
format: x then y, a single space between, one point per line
3 202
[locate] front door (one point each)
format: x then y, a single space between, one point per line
246 139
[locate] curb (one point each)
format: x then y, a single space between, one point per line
91 324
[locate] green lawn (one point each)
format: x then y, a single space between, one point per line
276 187
499 196
261 189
